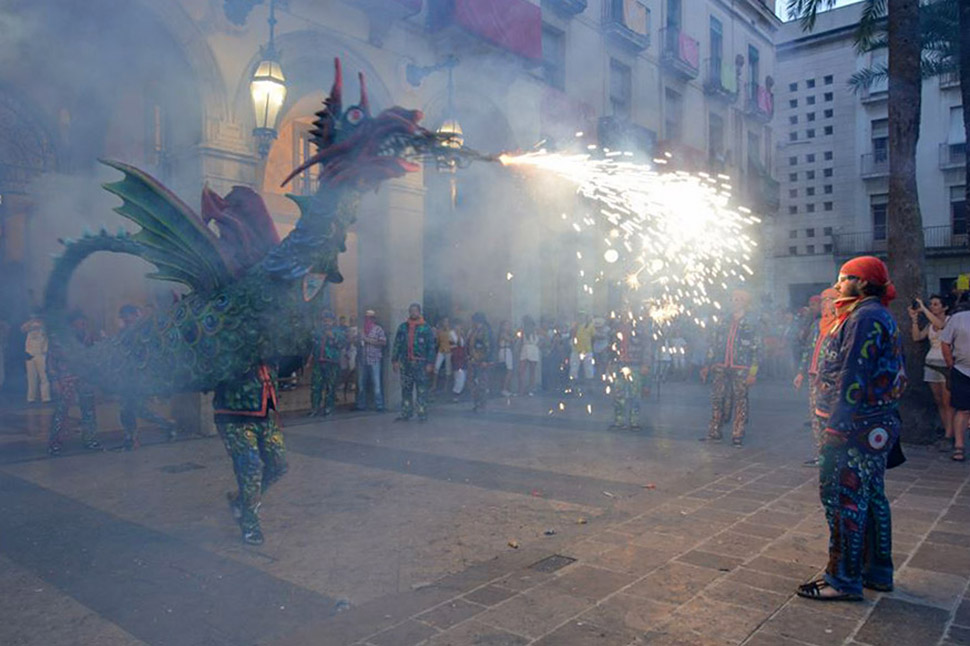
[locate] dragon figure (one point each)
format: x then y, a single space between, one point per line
252 297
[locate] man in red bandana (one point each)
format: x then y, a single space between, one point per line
861 377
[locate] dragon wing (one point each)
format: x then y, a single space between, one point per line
172 236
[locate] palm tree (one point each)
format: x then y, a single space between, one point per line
907 256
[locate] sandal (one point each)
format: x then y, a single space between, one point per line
813 590
958 455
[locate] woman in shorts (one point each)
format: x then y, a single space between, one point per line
934 367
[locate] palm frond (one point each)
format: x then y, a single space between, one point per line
807 10
872 24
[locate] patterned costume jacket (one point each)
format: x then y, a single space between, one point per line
329 349
861 370
423 349
736 344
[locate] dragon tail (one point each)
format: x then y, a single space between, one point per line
75 252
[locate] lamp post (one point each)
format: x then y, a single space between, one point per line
268 90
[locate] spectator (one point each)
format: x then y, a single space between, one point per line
369 376
4 332
445 337
582 349
36 348
529 356
934 365
506 361
348 361
955 345
458 360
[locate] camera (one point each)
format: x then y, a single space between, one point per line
915 304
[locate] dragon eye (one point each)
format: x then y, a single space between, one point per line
354 116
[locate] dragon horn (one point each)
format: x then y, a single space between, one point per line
336 99
364 103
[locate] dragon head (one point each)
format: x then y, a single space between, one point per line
358 150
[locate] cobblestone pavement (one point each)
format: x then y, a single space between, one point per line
511 527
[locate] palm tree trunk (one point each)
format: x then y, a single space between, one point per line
906 245
964 8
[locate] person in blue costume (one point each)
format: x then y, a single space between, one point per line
861 378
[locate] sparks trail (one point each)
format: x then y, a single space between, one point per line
674 232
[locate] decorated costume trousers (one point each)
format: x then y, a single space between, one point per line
478 378
728 385
818 424
627 396
73 392
258 459
852 469
414 382
323 385
133 409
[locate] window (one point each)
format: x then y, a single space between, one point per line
810 191
810 207
793 192
810 133
754 148
793 119
793 103
792 161
828 189
828 80
880 140
810 83
810 116
828 113
793 136
956 139
828 96
673 14
828 155
879 60
827 172
754 70
793 87
792 210
553 57
810 100
715 137
810 174
827 130
810 249
827 231
827 248
792 177
621 89
809 233
308 180
810 158
958 210
717 44
879 208
792 234
828 206
792 251
673 114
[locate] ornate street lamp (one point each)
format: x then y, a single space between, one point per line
268 89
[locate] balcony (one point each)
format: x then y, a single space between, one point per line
681 53
513 26
940 240
759 102
949 80
874 165
567 8
762 190
953 156
875 93
627 24
382 14
722 79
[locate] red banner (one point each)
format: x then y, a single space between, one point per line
515 25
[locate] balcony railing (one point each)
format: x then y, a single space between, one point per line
722 79
759 102
953 156
566 7
627 24
939 240
681 53
874 165
949 79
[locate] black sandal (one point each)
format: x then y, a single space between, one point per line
958 455
813 590
877 587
